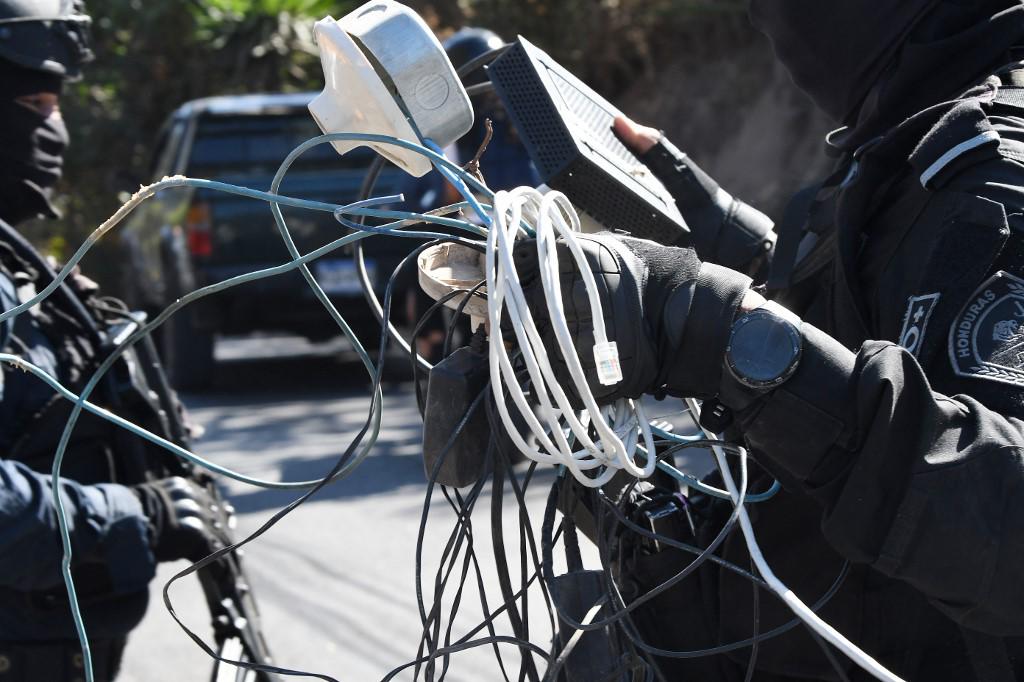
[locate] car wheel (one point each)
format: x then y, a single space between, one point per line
189 352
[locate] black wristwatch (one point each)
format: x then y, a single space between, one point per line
764 347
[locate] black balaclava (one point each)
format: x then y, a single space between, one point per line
922 50
952 48
835 50
31 146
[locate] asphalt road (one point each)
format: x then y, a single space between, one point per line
335 579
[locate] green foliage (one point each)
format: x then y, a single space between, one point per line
610 43
153 56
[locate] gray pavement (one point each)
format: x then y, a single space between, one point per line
335 579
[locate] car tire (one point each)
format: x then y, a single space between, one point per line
187 346
189 352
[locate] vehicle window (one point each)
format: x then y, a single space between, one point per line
166 147
259 143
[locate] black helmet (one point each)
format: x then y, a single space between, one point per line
45 35
469 43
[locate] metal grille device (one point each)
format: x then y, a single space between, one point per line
567 130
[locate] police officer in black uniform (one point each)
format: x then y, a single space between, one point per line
883 385
118 533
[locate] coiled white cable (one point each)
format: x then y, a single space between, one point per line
551 420
549 417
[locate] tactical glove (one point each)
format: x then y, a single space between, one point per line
185 521
724 230
669 314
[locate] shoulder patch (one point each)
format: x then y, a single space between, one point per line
986 339
915 321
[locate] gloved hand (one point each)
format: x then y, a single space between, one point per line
725 230
669 313
185 521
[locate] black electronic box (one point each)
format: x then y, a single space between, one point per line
567 130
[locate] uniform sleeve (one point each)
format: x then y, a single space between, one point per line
108 529
106 525
926 487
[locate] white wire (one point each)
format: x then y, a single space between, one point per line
802 611
551 419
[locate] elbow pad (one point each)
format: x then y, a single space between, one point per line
725 230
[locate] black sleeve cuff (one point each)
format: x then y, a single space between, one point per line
797 423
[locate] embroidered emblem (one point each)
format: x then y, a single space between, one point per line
987 338
915 321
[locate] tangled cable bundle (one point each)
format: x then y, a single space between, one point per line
591 445
618 426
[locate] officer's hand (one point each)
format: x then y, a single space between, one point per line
637 138
185 521
668 313
724 230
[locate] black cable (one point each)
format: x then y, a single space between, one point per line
524 521
481 60
756 646
702 556
627 624
419 560
720 649
672 542
621 614
527 545
463 528
431 482
280 514
449 559
505 459
527 542
420 537
454 322
492 616
424 318
501 463
414 355
486 610
829 655
581 628
497 429
504 580
771 634
462 646
471 557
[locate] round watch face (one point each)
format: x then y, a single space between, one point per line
764 349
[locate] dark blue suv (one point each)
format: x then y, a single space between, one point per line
184 239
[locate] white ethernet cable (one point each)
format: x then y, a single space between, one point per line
619 427
789 598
